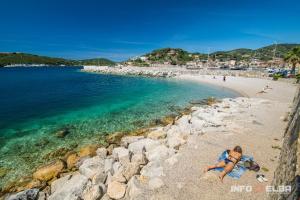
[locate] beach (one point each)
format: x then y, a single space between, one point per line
167 162
257 127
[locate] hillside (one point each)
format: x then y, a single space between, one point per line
173 56
179 56
24 58
95 61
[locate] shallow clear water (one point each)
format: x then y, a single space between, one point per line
37 102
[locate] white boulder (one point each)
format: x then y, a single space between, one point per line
142 145
71 189
116 190
159 153
92 166
125 141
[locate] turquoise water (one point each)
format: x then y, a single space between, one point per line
35 103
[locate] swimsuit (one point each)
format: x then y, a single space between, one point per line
227 161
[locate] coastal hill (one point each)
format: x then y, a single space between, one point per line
173 56
24 58
177 56
95 61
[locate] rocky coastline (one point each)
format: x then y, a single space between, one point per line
168 72
131 166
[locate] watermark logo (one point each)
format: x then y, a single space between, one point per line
241 188
279 189
261 188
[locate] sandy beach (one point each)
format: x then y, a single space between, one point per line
167 162
257 127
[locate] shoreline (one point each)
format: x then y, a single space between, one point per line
184 142
196 79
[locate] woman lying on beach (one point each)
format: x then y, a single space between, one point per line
228 164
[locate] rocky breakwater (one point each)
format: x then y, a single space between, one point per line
170 71
134 71
131 167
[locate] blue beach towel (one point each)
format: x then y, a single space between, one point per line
239 169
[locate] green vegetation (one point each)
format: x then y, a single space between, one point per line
298 78
276 76
23 58
95 61
140 62
264 53
169 55
293 57
237 54
176 56
172 56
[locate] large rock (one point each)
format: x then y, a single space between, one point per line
184 123
116 190
49 171
99 177
102 152
60 183
92 166
139 158
159 153
125 141
119 176
134 188
116 167
143 145
121 154
157 134
152 169
31 194
130 170
114 138
72 189
71 159
35 184
89 150
108 165
94 192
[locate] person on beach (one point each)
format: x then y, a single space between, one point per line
228 164
224 78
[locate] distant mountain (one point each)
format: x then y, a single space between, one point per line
24 58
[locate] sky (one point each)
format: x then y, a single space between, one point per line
120 29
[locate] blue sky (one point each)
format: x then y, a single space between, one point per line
119 29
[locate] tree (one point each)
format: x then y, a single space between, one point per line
293 57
